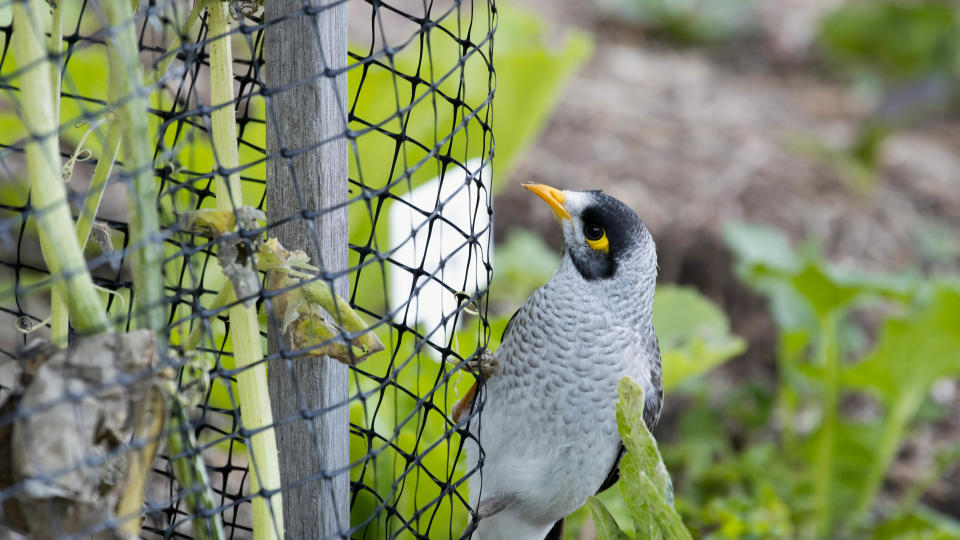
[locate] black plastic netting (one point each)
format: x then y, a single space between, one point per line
389 199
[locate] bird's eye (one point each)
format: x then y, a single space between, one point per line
593 231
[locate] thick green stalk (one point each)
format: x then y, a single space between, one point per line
828 355
59 312
253 393
91 204
127 90
56 47
126 81
62 254
191 473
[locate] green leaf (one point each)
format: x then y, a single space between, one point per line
913 351
532 66
644 481
694 334
757 245
637 438
890 40
647 503
607 528
911 354
802 288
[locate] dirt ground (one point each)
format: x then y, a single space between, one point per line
692 139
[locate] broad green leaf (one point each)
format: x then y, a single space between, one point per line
637 438
607 528
644 481
911 354
694 334
647 502
757 245
532 66
803 289
913 351
854 450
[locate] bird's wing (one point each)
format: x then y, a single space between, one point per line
506 329
556 532
651 412
614 473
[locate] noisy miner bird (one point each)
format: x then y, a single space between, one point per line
548 428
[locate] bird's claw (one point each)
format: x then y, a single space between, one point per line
484 363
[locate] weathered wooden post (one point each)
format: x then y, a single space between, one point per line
306 105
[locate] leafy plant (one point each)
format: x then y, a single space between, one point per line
902 54
890 41
694 334
40 104
824 355
253 394
644 481
64 258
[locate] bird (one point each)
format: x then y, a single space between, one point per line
545 436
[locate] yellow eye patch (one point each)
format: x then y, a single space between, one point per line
600 244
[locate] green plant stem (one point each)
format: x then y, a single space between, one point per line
101 173
828 355
91 203
224 296
191 474
126 85
63 255
56 47
893 428
59 311
175 43
253 392
787 397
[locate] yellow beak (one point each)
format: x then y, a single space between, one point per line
553 196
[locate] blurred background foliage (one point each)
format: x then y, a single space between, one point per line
831 406
796 163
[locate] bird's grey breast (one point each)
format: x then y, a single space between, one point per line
560 362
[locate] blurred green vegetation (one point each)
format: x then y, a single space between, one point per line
890 41
796 459
903 56
688 21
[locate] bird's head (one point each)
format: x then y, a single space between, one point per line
600 233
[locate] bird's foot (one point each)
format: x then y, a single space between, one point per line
484 363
